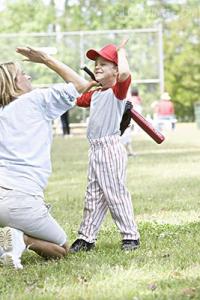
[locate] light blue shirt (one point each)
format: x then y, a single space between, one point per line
26 136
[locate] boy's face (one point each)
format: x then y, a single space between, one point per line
105 70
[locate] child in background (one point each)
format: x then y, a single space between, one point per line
136 100
126 140
126 137
137 105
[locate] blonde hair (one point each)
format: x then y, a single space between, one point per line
8 87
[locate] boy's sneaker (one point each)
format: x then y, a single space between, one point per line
130 245
12 244
81 245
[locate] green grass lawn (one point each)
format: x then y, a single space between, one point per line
164 181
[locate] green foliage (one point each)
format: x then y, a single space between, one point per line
180 22
181 41
93 15
26 16
182 59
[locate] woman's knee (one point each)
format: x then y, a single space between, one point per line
45 248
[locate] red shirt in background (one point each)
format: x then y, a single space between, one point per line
165 108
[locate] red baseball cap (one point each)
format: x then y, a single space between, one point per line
108 52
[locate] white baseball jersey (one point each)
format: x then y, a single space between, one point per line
106 109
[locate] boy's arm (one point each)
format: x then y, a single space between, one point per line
123 66
61 69
85 99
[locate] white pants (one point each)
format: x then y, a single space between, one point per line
106 190
30 214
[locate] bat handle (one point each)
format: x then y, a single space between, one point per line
90 73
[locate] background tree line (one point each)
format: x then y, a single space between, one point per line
180 20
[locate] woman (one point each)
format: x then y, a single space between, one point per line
25 141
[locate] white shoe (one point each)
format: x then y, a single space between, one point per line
12 243
11 261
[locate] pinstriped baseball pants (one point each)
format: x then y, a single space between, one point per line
106 190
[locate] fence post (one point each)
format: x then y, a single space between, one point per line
197 113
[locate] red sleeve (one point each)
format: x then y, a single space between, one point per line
85 99
120 89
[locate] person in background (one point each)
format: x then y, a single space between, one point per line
136 100
137 105
65 124
126 140
126 137
164 112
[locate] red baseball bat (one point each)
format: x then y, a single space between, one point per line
138 118
147 127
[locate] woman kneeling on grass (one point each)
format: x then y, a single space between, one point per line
25 142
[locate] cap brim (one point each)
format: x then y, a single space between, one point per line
92 54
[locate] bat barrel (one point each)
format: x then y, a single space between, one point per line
147 127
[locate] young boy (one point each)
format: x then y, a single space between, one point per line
107 156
